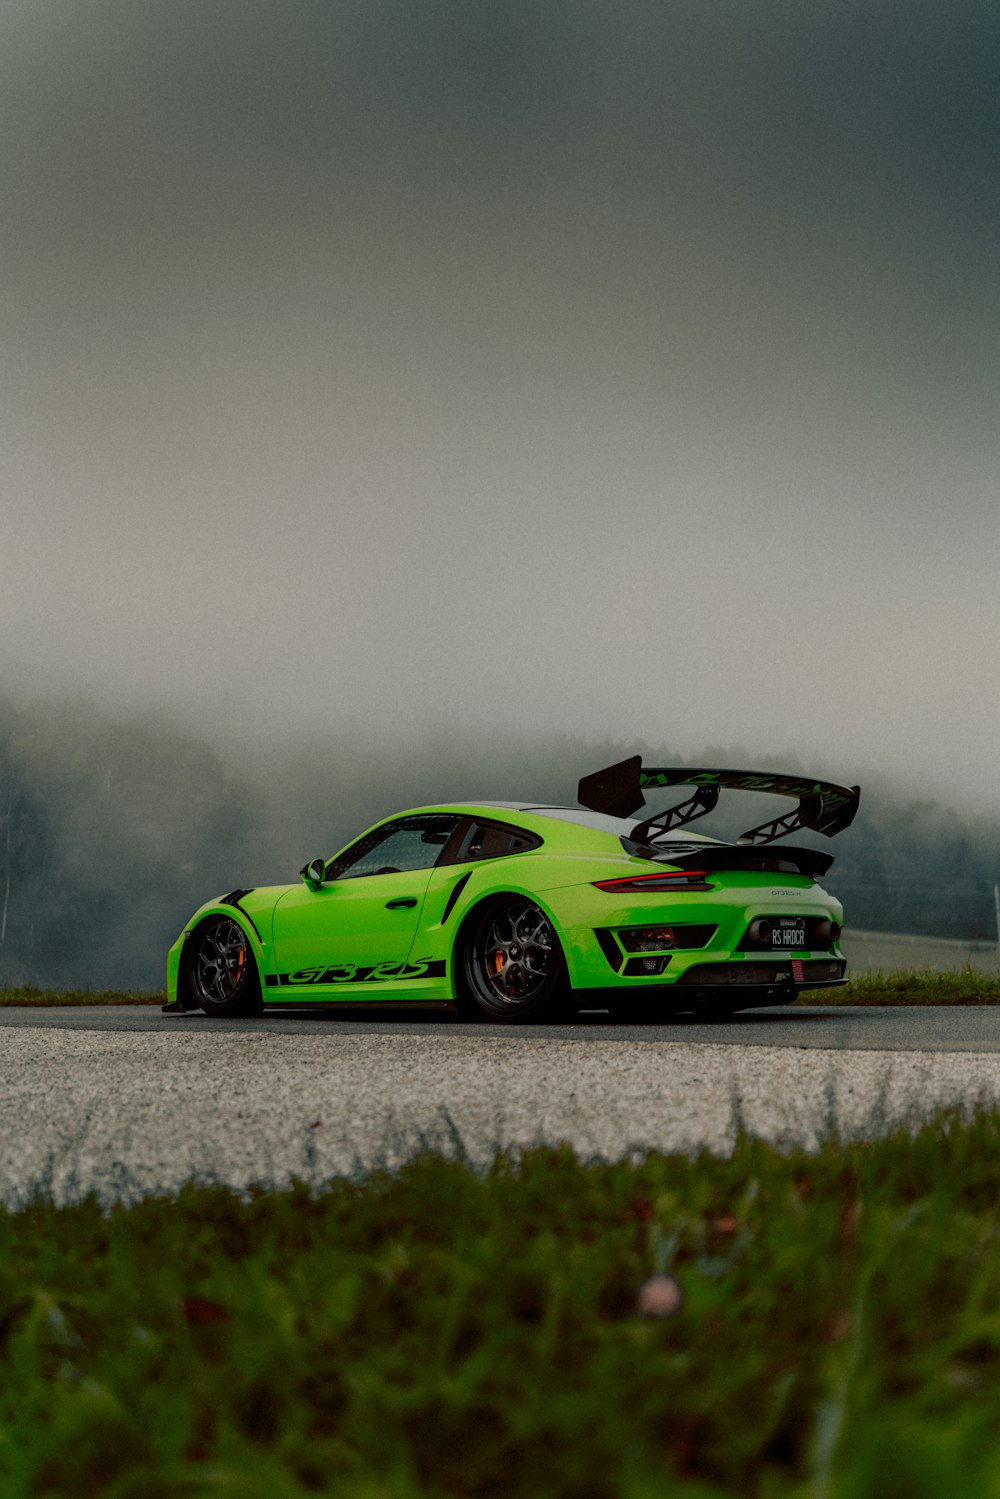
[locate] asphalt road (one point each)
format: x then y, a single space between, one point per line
947 1028
124 1102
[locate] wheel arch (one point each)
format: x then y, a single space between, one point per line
204 918
474 910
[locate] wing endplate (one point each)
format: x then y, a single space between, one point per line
616 790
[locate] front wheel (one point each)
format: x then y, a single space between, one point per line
513 966
224 979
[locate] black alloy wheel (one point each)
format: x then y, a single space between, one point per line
513 966
224 979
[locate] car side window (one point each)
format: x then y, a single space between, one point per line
414 843
484 840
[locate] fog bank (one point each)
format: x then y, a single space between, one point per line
113 830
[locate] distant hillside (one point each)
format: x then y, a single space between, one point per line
112 831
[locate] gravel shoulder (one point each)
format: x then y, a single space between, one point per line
124 1114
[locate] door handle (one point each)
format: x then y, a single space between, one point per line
404 900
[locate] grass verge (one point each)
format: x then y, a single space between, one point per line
910 986
903 986
30 996
436 1333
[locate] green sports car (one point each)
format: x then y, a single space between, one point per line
514 912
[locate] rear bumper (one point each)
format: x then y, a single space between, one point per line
798 973
597 957
677 998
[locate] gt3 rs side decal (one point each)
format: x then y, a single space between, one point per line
355 973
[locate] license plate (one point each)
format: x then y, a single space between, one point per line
790 932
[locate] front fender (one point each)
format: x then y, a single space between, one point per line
178 983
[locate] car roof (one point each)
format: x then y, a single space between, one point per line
618 827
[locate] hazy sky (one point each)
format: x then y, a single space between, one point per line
618 368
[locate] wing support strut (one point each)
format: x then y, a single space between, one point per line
822 806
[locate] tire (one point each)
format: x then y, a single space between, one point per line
513 966
222 972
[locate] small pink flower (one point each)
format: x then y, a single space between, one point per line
199 1309
660 1296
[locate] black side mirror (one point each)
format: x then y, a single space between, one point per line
313 873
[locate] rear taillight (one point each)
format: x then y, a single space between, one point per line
679 879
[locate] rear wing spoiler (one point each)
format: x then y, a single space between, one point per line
822 806
708 856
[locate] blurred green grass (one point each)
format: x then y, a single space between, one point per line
964 986
31 996
911 986
438 1334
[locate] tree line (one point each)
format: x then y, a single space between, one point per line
112 831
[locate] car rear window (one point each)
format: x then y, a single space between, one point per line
621 827
491 840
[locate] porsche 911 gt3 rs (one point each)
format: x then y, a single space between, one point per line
515 911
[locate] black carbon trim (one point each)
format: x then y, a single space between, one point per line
676 996
778 971
822 806
456 891
184 997
609 947
635 967
782 859
233 899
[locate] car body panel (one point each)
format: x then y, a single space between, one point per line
347 941
348 934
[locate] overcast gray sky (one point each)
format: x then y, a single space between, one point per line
618 368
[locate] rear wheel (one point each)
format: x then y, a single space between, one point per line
224 979
513 966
